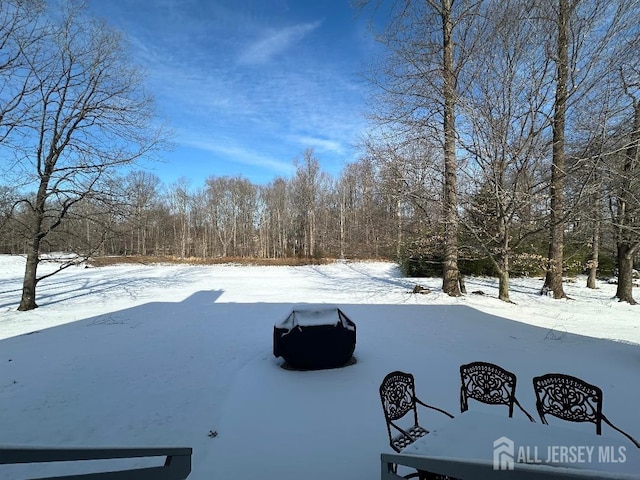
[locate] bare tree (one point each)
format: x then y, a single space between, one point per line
409 180
180 206
232 203
274 219
553 278
223 206
362 217
431 43
587 46
625 201
450 272
596 206
504 133
306 187
586 183
141 194
88 115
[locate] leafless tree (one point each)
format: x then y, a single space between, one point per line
430 44
88 115
274 219
625 186
362 217
409 181
588 44
504 133
553 279
596 233
585 186
232 206
306 185
180 207
141 193
450 274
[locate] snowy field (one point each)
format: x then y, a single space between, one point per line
145 355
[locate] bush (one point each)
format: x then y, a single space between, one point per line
424 258
420 266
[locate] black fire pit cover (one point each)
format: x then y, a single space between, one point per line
315 337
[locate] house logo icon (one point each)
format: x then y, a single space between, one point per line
503 454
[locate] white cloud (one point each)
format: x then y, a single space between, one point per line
274 43
322 144
234 153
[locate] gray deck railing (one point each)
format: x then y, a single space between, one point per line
482 469
177 464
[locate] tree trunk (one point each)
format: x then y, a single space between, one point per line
399 227
624 293
503 279
626 237
553 279
595 243
28 300
462 284
342 222
312 228
450 284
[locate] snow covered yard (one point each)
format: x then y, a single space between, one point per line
164 355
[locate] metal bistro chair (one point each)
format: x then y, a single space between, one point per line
572 399
490 384
398 396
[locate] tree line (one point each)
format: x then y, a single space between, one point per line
368 211
310 215
504 140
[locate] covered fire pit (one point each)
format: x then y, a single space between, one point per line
314 338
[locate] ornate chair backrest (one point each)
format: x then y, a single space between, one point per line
568 398
398 396
487 383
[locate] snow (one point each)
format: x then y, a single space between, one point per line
312 315
162 355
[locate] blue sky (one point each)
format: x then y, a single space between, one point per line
247 86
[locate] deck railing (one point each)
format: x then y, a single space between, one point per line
177 463
484 470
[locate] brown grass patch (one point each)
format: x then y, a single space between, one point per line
150 260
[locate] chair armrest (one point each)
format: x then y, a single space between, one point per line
433 408
515 400
608 422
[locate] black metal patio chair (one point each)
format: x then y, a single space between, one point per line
490 384
399 402
572 399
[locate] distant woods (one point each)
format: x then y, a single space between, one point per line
387 209
309 215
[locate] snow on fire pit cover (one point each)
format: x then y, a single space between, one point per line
308 316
